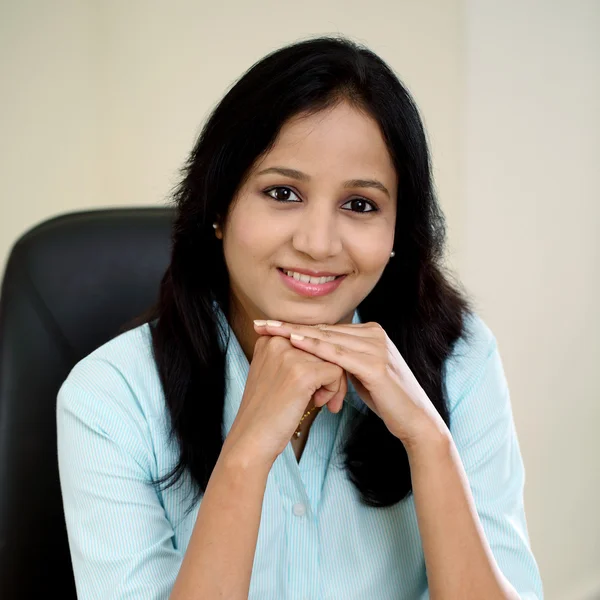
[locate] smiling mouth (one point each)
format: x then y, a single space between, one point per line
303 278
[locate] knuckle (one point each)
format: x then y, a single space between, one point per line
378 331
278 343
289 354
334 370
296 369
298 372
326 333
261 343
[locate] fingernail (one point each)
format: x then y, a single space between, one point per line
274 323
295 336
259 322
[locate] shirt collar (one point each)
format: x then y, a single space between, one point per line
237 368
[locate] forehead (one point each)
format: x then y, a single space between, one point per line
338 139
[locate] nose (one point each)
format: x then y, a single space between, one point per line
317 233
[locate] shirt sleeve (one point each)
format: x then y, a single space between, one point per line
483 429
120 539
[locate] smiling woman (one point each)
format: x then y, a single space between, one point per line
196 459
307 218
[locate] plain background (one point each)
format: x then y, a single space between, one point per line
103 99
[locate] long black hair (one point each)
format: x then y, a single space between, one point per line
416 301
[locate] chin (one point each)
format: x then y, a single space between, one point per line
307 315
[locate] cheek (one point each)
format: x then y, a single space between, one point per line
370 252
248 240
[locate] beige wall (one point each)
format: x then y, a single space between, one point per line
49 154
531 254
102 100
106 97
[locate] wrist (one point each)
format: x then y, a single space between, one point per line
431 438
236 455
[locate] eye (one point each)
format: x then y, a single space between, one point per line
284 194
361 205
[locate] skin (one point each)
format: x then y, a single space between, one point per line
303 349
319 232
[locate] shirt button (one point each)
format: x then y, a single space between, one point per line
299 509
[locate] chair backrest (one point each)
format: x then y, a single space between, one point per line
70 284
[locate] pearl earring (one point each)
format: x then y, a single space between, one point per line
392 254
215 225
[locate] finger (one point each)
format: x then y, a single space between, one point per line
322 397
370 329
357 329
332 383
334 402
364 344
359 364
339 400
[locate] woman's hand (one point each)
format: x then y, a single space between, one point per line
376 368
281 383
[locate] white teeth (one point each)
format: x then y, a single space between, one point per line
308 279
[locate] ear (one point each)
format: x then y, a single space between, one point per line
217 228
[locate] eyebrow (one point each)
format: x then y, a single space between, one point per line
351 183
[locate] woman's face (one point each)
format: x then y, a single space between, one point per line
322 201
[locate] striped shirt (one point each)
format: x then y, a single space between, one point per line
316 539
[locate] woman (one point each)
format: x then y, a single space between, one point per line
303 413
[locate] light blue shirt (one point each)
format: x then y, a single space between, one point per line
316 540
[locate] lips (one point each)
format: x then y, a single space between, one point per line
311 289
310 272
309 279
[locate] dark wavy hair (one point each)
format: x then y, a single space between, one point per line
418 304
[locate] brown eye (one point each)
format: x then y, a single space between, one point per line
361 205
282 194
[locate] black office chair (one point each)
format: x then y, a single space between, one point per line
71 283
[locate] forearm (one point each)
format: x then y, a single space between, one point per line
459 562
218 561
